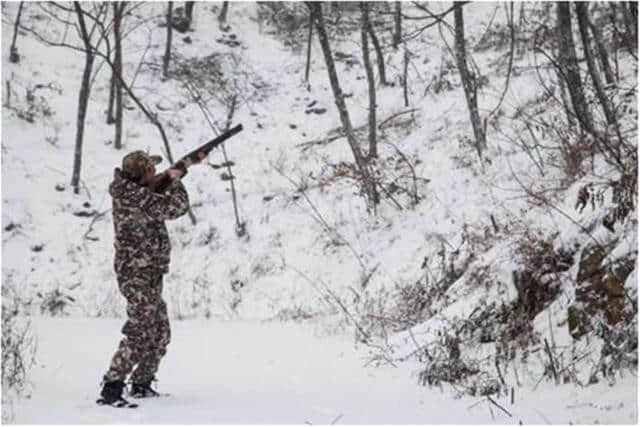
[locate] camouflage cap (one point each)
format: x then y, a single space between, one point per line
136 163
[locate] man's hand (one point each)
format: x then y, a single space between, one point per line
175 174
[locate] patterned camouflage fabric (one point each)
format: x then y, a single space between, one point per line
146 331
142 257
138 213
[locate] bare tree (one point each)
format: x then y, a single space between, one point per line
241 226
167 50
83 97
583 24
633 9
378 48
118 13
629 9
602 53
368 183
309 39
570 70
405 76
566 102
616 37
469 82
112 100
364 30
222 18
188 11
14 57
397 22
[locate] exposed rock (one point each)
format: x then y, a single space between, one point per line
538 283
599 289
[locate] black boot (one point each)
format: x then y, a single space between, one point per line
140 390
112 393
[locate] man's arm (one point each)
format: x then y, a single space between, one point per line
172 204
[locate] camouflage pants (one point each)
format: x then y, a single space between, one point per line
146 331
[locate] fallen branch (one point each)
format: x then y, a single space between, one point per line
338 301
565 368
553 364
499 372
393 116
339 132
95 218
367 278
499 406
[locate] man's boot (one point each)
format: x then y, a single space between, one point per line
143 389
112 393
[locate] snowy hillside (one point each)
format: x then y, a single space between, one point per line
473 268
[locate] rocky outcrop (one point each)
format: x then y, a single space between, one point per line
599 288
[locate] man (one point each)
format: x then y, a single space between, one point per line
142 253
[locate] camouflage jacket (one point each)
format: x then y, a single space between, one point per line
141 238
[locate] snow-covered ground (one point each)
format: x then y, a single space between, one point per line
247 372
57 246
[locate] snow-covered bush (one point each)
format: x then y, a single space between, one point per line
33 106
54 302
18 348
285 19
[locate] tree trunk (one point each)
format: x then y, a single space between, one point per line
309 39
167 50
397 20
83 99
188 11
112 99
364 30
468 80
222 18
405 78
566 103
583 24
569 66
112 82
14 57
616 38
378 48
630 26
118 9
241 229
633 9
368 183
602 53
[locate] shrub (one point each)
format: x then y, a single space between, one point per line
18 348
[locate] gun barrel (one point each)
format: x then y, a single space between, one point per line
215 141
206 148
163 181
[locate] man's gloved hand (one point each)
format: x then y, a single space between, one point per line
180 170
175 174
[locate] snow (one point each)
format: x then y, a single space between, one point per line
248 372
226 364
